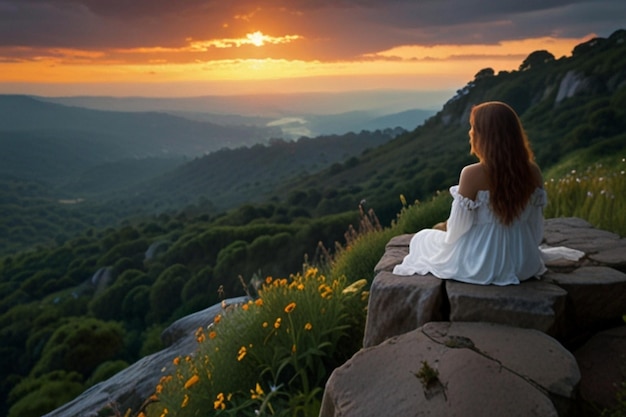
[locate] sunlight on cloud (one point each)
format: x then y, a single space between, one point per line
257 39
557 47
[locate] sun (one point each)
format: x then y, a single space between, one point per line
257 38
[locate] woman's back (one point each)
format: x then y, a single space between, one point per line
474 178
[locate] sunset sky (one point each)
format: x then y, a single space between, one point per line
204 47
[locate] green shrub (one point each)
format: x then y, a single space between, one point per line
33 397
80 345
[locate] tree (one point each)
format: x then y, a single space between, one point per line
80 345
536 59
484 73
165 294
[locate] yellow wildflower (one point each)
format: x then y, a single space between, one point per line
325 291
265 324
308 326
293 348
165 412
192 381
259 302
212 335
277 323
300 287
185 401
159 388
268 280
245 307
289 308
242 353
219 403
311 272
176 360
217 318
257 392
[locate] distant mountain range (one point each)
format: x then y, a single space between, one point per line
291 115
124 134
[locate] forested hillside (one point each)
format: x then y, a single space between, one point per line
52 190
120 286
569 106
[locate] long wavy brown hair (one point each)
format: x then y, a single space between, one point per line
500 143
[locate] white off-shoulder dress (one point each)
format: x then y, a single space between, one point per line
477 248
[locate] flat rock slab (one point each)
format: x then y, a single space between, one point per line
456 369
601 246
532 304
399 304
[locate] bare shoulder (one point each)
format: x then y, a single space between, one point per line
473 178
537 175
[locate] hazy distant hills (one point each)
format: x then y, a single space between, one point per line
290 115
138 134
57 140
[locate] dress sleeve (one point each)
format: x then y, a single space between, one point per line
461 215
538 201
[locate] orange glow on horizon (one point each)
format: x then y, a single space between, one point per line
441 66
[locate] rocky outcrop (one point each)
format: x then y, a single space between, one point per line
572 299
570 304
129 388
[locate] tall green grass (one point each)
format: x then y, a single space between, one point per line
596 194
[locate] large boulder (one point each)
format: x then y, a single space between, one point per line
456 369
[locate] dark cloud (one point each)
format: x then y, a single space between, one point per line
334 29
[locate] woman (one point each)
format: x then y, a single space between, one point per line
496 220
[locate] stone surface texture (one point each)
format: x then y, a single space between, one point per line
478 369
419 304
